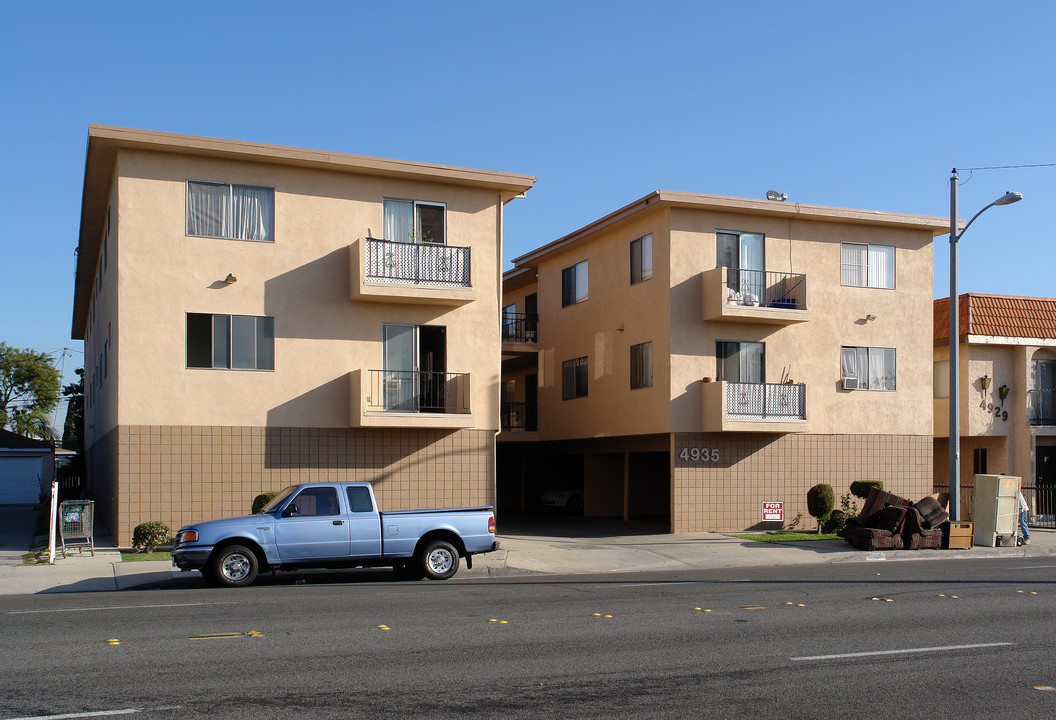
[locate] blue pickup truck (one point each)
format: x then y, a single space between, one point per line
334 525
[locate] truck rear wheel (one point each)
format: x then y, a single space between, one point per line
232 566
439 560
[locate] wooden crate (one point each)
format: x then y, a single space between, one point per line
958 535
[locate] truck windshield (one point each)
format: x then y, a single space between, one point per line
277 500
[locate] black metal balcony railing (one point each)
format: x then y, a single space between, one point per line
518 417
412 391
1041 407
417 263
780 290
519 327
766 401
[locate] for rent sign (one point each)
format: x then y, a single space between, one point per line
773 511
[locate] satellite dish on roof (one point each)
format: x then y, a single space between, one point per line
775 195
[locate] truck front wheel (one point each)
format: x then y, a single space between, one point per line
233 566
439 560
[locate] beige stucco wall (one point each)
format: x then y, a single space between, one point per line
302 279
668 311
615 316
809 352
102 335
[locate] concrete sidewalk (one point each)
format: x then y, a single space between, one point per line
522 553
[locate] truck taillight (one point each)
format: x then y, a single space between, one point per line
491 525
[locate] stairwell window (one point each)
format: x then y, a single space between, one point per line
574 378
233 212
238 342
641 365
867 368
641 259
864 265
574 284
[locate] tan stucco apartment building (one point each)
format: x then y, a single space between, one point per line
1007 398
695 357
256 315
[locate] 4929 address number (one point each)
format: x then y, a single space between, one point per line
700 454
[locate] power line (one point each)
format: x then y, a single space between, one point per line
1008 167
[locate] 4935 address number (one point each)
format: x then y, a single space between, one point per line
700 454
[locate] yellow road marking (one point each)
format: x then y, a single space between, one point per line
225 636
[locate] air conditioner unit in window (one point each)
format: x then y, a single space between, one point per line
850 383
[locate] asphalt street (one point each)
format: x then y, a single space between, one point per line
939 638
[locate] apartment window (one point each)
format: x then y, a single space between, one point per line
641 259
742 253
574 378
941 379
239 342
864 265
234 212
867 368
413 221
979 461
740 362
574 284
641 365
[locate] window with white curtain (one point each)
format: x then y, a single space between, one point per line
233 212
415 221
743 254
864 265
873 368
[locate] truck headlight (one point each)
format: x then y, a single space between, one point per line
189 536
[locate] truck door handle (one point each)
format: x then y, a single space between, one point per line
339 522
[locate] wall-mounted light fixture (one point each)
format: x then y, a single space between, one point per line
1003 392
870 317
230 279
985 381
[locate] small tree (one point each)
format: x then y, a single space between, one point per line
149 535
862 488
261 500
29 390
820 501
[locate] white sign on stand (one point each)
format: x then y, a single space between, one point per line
773 512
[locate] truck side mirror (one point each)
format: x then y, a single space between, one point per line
291 510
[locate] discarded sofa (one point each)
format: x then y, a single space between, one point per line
889 522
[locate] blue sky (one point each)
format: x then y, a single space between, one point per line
862 105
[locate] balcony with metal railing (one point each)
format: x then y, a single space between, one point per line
519 327
410 398
518 417
410 272
755 407
1041 407
755 296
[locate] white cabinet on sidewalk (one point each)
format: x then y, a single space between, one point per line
995 510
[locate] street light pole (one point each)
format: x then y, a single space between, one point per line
954 469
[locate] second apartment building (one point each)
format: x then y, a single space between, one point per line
701 358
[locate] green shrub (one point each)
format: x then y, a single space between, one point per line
263 499
150 535
837 521
820 501
861 488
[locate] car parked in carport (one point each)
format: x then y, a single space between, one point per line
570 499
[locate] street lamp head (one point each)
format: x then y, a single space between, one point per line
1008 198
